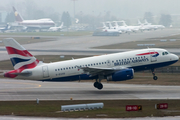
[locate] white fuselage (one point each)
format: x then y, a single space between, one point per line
71 69
40 23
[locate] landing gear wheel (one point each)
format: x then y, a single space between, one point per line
96 84
100 86
155 77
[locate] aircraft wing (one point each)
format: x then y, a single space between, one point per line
93 71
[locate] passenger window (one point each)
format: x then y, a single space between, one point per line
96 63
99 63
88 64
69 67
55 70
102 63
91 64
61 68
64 68
72 67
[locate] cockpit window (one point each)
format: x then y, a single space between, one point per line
165 53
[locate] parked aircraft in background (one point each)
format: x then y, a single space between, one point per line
45 23
121 28
110 28
155 26
113 67
54 29
132 28
4 29
149 26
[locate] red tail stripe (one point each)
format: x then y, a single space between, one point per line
29 66
19 52
149 53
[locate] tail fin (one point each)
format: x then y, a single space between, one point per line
19 56
17 15
139 22
124 23
61 25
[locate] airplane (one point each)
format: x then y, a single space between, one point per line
45 23
113 67
56 28
110 28
145 26
3 29
155 26
149 26
121 28
132 28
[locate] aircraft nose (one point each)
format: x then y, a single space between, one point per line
175 57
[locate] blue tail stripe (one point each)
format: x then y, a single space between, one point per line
18 60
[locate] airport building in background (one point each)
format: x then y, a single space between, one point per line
3 15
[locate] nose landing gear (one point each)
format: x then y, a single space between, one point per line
154 76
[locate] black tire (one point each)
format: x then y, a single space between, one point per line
100 86
96 84
155 77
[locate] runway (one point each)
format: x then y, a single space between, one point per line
30 90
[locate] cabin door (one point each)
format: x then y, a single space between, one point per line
45 71
153 56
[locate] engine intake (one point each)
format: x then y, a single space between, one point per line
121 75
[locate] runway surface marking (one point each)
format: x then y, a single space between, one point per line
19 83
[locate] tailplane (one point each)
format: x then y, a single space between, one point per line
17 15
21 59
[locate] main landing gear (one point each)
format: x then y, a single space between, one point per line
98 85
154 76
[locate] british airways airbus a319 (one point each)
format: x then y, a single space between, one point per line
113 67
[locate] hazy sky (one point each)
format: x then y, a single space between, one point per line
120 8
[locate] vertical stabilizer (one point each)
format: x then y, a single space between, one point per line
19 56
17 15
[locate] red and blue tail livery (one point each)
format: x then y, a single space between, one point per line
21 59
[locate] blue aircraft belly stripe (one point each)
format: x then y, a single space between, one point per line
18 60
86 77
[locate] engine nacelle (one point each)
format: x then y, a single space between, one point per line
121 75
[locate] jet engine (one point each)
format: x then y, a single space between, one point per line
121 75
